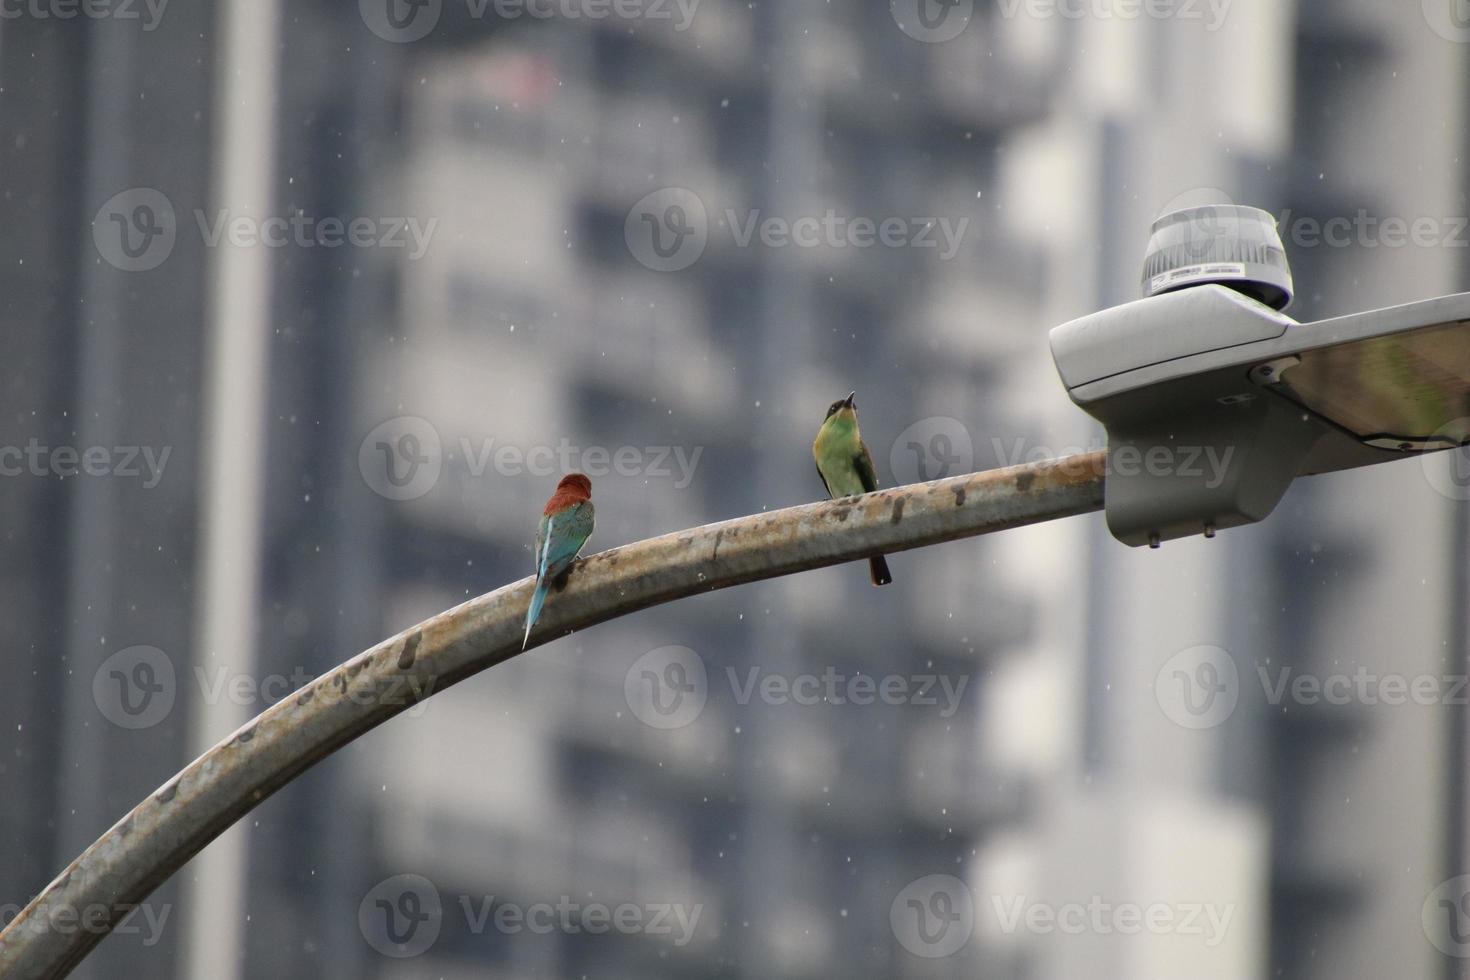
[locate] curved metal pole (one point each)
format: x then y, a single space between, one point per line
153 841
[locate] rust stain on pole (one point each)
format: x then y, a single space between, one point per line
148 845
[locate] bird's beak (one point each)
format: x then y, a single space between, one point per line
852 400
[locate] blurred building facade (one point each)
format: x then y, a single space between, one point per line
1326 822
529 323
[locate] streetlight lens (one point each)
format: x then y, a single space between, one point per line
1407 391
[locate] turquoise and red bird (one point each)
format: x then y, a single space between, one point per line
566 524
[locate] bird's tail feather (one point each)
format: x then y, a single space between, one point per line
878 570
538 599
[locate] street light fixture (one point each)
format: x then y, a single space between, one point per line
1208 367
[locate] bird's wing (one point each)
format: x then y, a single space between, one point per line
863 463
540 543
583 519
821 476
570 529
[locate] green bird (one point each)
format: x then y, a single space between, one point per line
846 466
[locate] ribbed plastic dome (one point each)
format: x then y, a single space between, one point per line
1228 244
